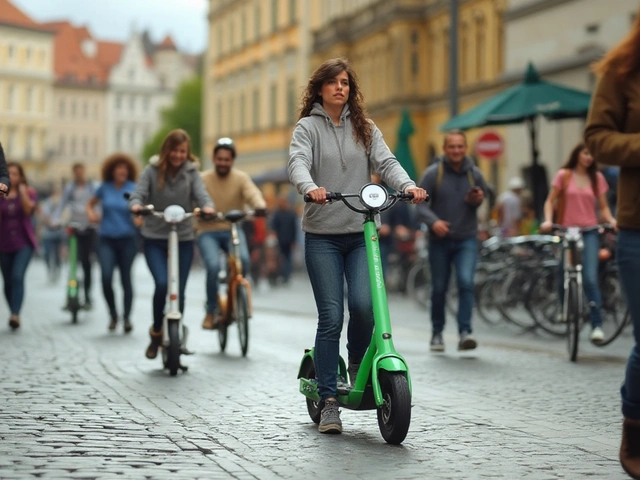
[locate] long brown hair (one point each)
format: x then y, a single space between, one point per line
362 130
112 161
624 58
171 141
23 177
592 170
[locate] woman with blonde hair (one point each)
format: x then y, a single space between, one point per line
613 135
173 179
334 148
117 231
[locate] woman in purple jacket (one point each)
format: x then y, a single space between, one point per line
18 239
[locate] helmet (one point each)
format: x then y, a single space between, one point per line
227 144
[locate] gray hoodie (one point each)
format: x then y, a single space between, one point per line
185 189
322 154
447 200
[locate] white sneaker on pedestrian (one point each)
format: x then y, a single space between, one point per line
597 335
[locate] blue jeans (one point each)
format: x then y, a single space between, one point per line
286 251
330 259
14 267
211 244
156 254
590 266
463 254
120 252
52 244
628 253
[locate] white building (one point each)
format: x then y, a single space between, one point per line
562 38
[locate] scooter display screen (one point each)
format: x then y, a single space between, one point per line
373 195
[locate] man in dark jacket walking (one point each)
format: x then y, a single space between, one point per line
457 189
285 225
5 184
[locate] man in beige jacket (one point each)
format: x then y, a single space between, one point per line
230 189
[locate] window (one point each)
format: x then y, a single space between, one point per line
256 109
132 74
27 53
481 49
232 115
11 51
118 102
29 147
95 146
464 54
241 112
62 145
291 101
85 109
219 42
73 109
274 15
132 103
243 28
30 102
257 21
95 111
415 63
219 116
232 32
61 108
11 100
85 145
273 112
292 11
145 104
119 138
132 137
72 146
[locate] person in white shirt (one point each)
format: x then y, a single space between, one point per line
509 207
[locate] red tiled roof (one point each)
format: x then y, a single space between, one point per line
167 44
12 15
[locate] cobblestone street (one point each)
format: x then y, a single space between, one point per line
80 402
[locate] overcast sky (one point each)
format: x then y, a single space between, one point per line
185 20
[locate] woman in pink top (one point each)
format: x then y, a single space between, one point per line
585 205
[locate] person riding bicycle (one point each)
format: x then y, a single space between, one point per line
230 189
5 182
334 148
170 179
582 190
76 195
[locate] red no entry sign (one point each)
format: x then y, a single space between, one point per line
490 145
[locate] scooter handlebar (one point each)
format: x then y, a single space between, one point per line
330 196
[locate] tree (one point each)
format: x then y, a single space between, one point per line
185 113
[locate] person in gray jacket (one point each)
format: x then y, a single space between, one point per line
335 148
457 189
171 179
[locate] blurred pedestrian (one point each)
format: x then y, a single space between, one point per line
75 196
509 208
117 241
284 224
457 190
334 148
230 189
18 238
579 192
51 236
5 183
613 135
172 178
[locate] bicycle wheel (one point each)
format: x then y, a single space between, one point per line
173 349
543 304
510 299
574 318
613 309
419 283
242 318
486 302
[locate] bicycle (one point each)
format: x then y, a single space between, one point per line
174 332
383 381
235 301
574 312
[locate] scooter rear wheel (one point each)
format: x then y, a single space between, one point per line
394 415
314 409
173 349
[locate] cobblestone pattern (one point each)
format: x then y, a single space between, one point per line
79 402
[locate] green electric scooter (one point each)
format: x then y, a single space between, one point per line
383 381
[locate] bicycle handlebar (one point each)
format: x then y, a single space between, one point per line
604 227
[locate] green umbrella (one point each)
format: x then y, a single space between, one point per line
403 150
525 102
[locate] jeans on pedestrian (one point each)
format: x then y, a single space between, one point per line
212 245
590 266
330 259
628 257
118 252
463 255
14 267
286 250
86 246
51 245
156 253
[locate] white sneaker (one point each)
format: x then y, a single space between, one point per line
597 335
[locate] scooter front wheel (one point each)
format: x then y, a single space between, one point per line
309 372
173 349
394 415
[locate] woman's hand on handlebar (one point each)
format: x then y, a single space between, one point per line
319 195
419 194
546 227
209 211
136 208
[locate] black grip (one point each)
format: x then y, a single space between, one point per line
330 196
260 212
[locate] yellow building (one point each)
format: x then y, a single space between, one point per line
26 78
256 66
261 53
400 51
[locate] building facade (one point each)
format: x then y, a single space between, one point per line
256 67
26 89
562 38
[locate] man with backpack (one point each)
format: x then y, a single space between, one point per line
457 189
